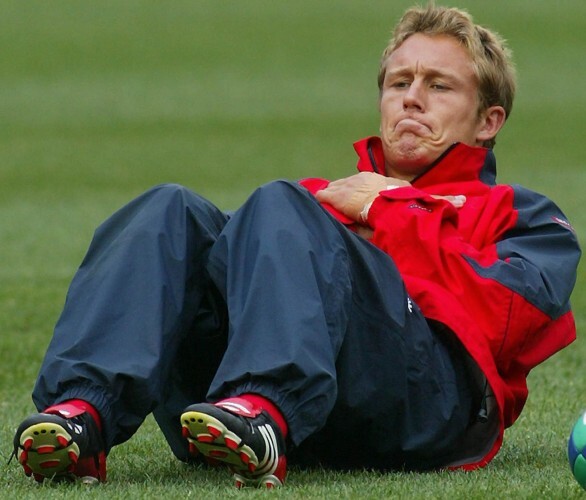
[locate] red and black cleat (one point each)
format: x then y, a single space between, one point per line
240 435
62 445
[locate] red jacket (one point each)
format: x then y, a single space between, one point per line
498 272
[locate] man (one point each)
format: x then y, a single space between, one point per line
388 319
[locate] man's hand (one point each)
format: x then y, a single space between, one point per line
351 194
456 200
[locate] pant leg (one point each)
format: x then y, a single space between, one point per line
282 269
405 400
128 307
320 323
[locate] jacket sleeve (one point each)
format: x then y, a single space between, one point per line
508 263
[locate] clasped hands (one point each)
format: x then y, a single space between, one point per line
351 195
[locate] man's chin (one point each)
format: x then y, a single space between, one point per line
409 160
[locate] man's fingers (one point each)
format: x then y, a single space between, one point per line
456 200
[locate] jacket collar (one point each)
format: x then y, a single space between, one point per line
459 163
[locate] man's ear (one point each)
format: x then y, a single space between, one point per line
491 121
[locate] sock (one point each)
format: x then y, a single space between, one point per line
75 407
270 408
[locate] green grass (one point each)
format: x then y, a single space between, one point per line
101 100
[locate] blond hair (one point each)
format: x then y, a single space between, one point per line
491 58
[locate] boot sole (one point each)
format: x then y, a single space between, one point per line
47 451
211 438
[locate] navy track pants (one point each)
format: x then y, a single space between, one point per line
176 302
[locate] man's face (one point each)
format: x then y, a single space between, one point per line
429 100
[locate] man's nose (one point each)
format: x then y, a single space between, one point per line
414 98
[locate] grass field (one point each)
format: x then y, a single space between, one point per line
101 100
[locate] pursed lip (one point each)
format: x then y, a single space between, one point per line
409 124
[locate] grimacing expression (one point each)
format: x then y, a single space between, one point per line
429 100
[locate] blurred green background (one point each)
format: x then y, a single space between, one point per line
101 100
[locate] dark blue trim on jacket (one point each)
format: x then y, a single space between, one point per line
537 258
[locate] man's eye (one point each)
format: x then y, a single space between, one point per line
400 84
439 86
